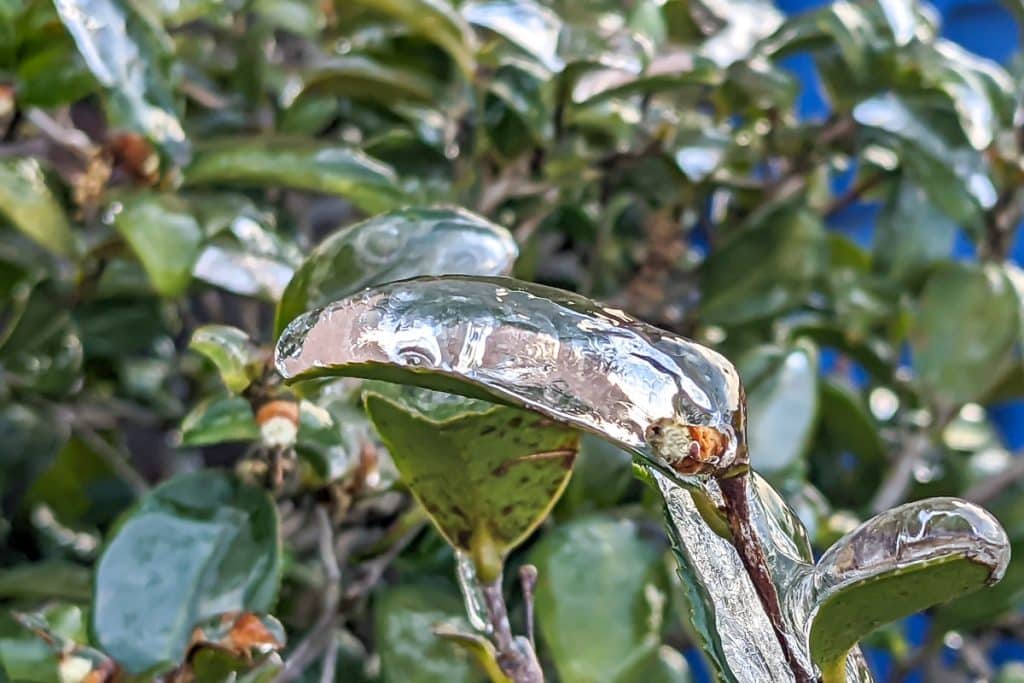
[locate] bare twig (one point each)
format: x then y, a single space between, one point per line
987 489
528 581
115 458
517 659
320 635
899 478
70 138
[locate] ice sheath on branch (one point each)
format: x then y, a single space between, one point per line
676 405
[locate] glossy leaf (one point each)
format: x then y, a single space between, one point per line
28 204
905 560
394 246
487 475
164 236
593 639
369 184
410 652
527 24
956 179
782 399
198 545
912 234
964 332
219 420
231 352
436 21
482 337
123 51
362 77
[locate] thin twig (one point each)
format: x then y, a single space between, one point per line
115 458
310 647
517 662
897 482
69 138
528 582
330 660
987 489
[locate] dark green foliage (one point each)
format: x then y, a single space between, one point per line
180 180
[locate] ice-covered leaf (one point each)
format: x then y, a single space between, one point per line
964 332
487 475
199 545
593 639
124 51
540 348
900 562
394 246
255 162
164 235
28 204
231 352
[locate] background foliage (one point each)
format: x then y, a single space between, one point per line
168 166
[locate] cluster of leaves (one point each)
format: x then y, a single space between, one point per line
167 170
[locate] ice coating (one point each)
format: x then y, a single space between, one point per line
544 349
393 246
738 636
917 532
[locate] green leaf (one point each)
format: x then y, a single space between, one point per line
124 52
197 546
410 652
219 420
598 614
912 233
764 270
955 178
527 24
53 580
28 658
231 352
53 77
782 400
436 21
164 236
964 332
663 665
28 204
847 427
80 487
898 563
365 78
299 164
394 246
487 475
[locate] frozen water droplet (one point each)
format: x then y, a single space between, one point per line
472 593
381 243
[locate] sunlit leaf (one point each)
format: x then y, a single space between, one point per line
164 236
123 51
348 173
28 204
395 246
